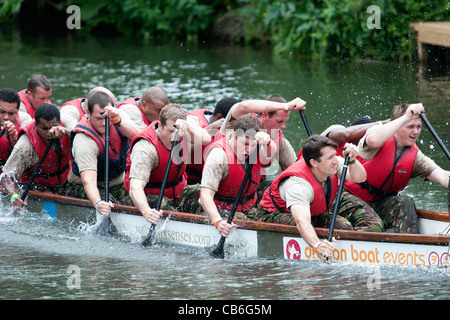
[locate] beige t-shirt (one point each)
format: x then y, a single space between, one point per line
216 168
134 114
85 153
144 158
69 116
327 131
25 155
296 190
22 157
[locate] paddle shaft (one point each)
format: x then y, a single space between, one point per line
107 159
338 199
148 240
305 123
218 251
38 167
435 135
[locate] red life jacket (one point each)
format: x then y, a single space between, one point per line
76 103
384 177
118 149
195 165
229 188
272 200
24 99
7 144
55 168
134 101
267 162
176 181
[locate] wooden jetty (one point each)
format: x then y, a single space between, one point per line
434 33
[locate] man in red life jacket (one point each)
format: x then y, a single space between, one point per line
74 110
37 93
391 157
273 114
88 151
33 140
146 109
148 159
11 121
211 121
306 191
226 162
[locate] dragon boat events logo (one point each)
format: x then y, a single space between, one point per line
293 250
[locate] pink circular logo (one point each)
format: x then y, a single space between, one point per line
293 250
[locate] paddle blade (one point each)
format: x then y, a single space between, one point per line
148 241
106 227
218 251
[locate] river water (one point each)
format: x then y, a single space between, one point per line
42 259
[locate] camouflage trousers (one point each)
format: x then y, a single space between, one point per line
353 214
399 213
117 194
190 202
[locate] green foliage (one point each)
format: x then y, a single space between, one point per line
148 18
9 8
338 28
317 28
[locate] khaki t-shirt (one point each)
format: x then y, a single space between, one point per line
85 153
144 158
296 190
22 157
69 116
134 114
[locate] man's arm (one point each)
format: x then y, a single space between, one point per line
139 198
377 136
207 202
196 134
22 157
356 171
261 106
122 121
302 216
89 179
353 133
440 176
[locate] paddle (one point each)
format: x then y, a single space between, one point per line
38 167
106 226
441 144
338 199
218 251
305 123
438 140
149 238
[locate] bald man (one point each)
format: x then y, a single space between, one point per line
144 110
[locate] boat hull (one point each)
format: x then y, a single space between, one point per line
270 240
